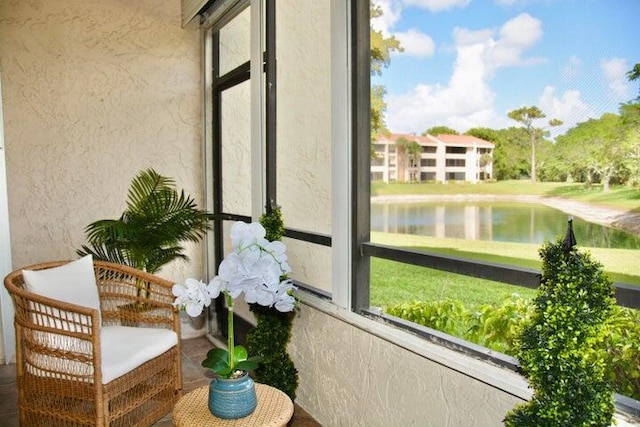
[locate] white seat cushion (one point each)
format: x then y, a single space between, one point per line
124 348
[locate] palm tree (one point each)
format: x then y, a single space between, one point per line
407 159
150 231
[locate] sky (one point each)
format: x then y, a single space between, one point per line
468 63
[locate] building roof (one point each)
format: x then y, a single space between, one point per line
447 140
466 140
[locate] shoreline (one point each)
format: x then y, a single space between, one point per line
616 218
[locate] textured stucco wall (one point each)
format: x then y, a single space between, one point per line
349 377
93 92
304 132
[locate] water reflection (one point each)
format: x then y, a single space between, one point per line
493 221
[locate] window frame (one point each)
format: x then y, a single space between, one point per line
362 249
350 241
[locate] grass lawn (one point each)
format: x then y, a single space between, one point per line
619 197
393 283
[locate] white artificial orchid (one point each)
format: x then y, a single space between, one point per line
193 296
255 267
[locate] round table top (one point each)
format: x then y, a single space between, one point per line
274 409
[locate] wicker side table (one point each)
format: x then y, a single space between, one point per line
274 409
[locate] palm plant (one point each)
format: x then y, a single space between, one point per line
150 231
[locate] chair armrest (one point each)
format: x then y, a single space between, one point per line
44 314
57 339
132 297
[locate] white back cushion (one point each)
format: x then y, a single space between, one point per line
74 282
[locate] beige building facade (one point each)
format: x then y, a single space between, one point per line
441 158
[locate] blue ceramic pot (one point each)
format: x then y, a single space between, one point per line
232 398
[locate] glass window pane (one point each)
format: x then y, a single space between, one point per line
310 263
235 42
236 149
304 114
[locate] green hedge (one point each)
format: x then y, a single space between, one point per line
495 326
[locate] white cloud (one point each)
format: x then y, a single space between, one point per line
415 43
515 36
572 69
615 70
436 5
568 107
464 37
391 14
466 100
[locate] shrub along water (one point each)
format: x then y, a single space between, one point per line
495 326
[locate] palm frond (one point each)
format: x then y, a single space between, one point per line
148 233
106 253
106 230
146 184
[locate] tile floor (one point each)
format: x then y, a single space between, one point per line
193 376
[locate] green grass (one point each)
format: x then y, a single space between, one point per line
393 283
619 197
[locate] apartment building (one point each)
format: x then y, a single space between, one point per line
442 158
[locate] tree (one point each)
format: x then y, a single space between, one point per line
526 116
485 160
510 155
408 159
487 134
598 149
633 75
151 231
380 51
556 344
630 113
440 130
610 154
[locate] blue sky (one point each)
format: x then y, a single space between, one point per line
467 63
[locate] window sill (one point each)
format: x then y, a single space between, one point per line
491 368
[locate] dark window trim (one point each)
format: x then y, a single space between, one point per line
271 106
485 270
220 83
361 149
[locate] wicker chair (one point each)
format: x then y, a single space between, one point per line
61 349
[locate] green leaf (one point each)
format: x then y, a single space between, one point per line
246 365
239 354
218 361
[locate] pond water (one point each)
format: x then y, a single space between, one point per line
493 221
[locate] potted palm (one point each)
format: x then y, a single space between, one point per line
150 232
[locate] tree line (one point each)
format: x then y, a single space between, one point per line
603 150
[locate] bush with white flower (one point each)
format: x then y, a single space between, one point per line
256 268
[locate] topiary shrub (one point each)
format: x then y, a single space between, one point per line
560 346
270 337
